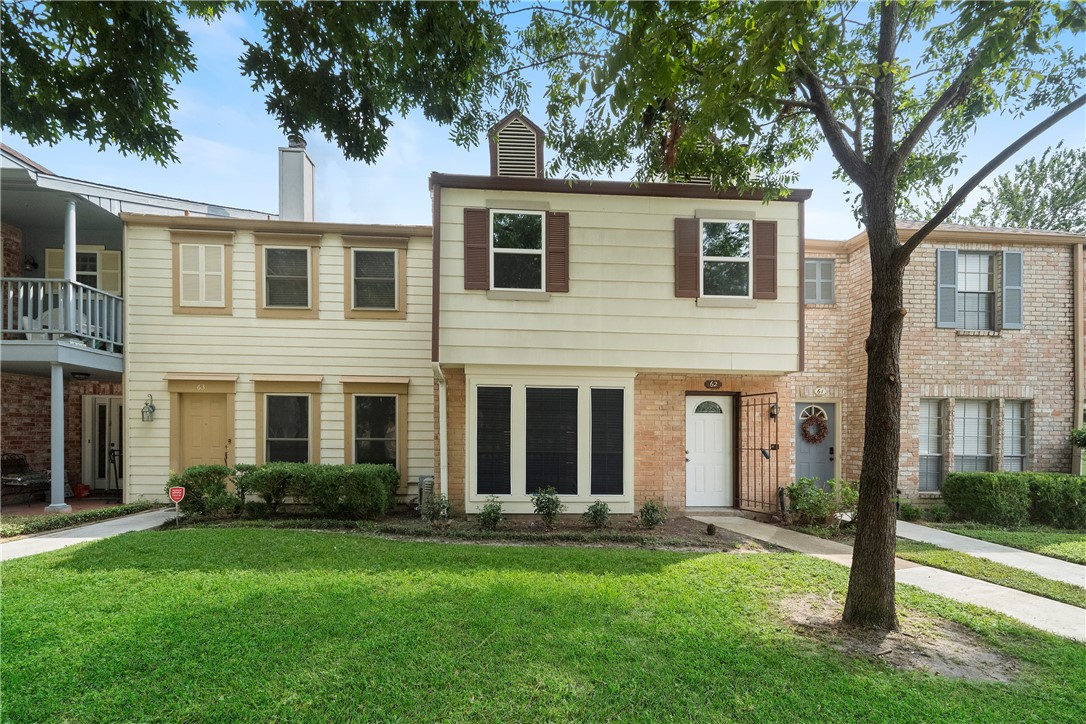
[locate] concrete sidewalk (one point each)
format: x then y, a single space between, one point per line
83 534
1042 613
1051 568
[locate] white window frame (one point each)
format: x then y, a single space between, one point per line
541 252
395 418
202 274
1024 407
749 259
937 441
992 294
308 277
309 422
354 279
518 500
819 265
959 433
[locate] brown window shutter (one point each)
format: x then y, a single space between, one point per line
765 260
476 249
687 257
557 252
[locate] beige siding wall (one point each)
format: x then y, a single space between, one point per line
159 342
621 309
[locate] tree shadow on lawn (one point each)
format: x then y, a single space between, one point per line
316 628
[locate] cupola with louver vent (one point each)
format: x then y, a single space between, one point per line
516 147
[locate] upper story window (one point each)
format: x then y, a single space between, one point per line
517 245
979 290
818 281
286 277
375 279
202 262
725 258
95 266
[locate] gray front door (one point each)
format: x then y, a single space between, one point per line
815 444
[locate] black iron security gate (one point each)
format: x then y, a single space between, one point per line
759 453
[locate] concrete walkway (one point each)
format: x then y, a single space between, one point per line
1042 613
95 531
1051 568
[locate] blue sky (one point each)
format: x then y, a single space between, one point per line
229 157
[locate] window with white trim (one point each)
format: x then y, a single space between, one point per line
287 428
1015 432
725 258
931 445
375 434
818 281
375 279
201 275
976 290
286 277
517 250
973 435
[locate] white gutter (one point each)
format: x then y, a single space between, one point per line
442 427
1080 362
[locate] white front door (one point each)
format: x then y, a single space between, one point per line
709 452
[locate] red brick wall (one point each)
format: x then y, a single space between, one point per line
25 428
660 430
456 399
13 250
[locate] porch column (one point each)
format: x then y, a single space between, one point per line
56 429
69 241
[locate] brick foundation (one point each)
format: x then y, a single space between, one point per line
24 410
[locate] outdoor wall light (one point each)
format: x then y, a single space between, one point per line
774 410
30 263
148 412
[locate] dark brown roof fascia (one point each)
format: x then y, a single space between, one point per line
603 188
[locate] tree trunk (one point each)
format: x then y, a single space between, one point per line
870 599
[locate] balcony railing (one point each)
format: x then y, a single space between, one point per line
52 309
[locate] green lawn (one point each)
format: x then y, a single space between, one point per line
259 625
986 570
1063 544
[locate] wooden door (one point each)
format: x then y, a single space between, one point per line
205 436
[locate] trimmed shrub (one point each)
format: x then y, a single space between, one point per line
909 512
547 506
1057 499
997 498
275 482
811 504
436 509
202 483
1078 437
490 515
652 514
352 491
597 515
939 513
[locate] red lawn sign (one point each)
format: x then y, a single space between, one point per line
177 494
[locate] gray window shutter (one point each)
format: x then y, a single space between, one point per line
687 257
946 297
1013 277
476 249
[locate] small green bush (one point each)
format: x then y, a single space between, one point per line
490 515
547 506
351 491
652 514
436 509
811 504
939 513
597 515
1057 499
202 484
275 482
909 512
997 498
1078 437
255 509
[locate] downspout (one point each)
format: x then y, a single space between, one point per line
1080 357
442 427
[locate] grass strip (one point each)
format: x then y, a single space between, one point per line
13 525
1066 545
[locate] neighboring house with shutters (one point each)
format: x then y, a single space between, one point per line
619 342
991 354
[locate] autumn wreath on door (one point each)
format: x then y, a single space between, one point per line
813 426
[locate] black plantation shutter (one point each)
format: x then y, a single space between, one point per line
687 257
764 253
557 252
476 249
551 439
607 441
492 441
